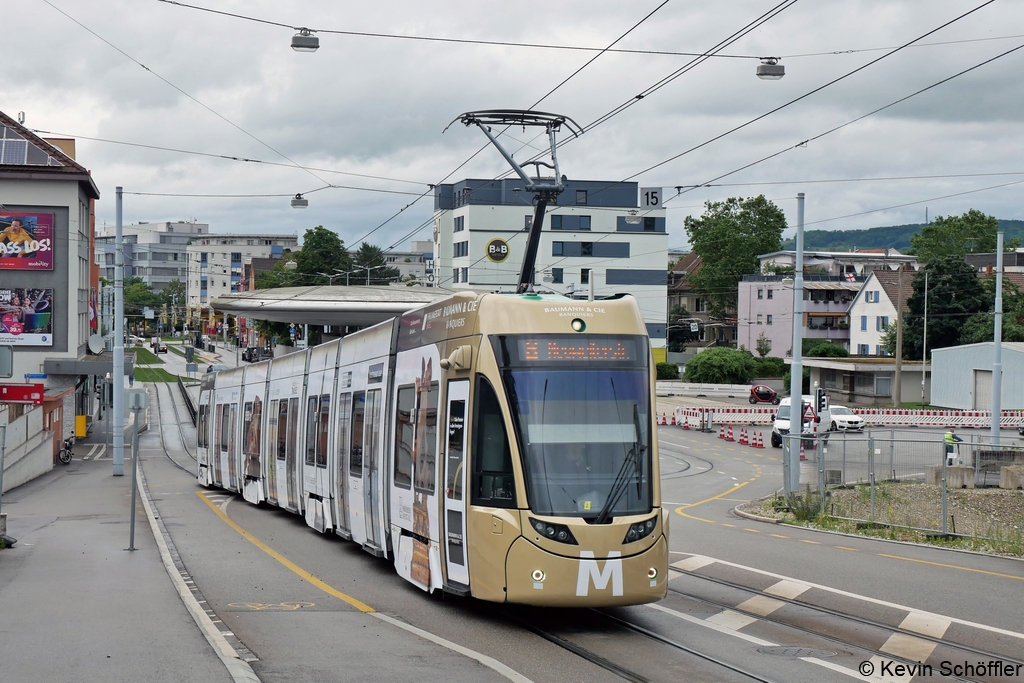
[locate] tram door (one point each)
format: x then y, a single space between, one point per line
455 480
342 442
355 468
371 467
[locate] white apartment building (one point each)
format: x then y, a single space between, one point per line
215 262
874 308
154 252
418 262
595 236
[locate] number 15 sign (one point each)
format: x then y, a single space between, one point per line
650 197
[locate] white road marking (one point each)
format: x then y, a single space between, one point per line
692 564
764 643
909 647
733 621
92 451
702 560
926 624
760 605
787 589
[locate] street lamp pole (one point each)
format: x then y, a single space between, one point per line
118 369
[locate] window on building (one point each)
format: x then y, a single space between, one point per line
556 275
556 222
460 224
557 248
203 257
760 319
863 349
883 385
699 306
881 323
760 293
461 249
455 275
586 248
581 196
771 293
584 222
585 276
768 319
236 256
864 323
528 223
465 274
649 224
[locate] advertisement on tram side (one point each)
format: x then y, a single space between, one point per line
26 317
26 241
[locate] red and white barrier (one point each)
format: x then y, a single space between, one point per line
873 417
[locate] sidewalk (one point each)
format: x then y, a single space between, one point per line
74 604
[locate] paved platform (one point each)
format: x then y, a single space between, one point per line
75 605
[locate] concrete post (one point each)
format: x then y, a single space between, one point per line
118 373
997 351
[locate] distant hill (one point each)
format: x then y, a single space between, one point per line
889 237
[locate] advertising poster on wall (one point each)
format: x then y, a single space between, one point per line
26 317
26 241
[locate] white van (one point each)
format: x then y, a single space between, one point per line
783 419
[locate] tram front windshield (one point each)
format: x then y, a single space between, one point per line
581 405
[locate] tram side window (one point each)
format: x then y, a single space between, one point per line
344 415
225 428
293 428
355 458
231 428
201 435
282 430
312 410
323 425
371 437
218 425
493 478
404 427
426 467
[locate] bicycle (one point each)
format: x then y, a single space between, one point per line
65 452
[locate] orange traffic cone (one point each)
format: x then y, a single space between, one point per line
673 418
729 436
721 431
686 422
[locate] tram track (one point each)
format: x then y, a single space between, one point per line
163 443
623 670
845 616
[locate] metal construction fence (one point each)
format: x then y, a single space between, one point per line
876 461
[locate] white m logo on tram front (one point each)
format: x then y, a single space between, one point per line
589 569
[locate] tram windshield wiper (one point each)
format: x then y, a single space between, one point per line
635 458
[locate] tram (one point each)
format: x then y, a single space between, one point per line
489 445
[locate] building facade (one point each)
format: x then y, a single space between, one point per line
596 238
874 309
154 252
962 376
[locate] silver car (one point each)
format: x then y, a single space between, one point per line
845 420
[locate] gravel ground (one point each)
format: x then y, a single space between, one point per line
991 519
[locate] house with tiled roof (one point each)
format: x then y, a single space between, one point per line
874 308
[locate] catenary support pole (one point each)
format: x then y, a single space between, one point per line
135 472
118 374
897 389
997 350
796 375
924 338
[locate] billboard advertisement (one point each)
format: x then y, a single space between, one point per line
26 317
26 241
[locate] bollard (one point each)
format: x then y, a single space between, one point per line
871 477
892 446
945 513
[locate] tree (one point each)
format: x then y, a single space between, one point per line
323 253
174 293
728 237
764 345
954 294
981 327
955 236
137 294
888 339
372 257
721 365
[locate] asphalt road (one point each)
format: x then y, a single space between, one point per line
304 604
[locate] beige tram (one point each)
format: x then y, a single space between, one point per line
498 446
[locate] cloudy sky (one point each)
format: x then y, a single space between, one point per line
377 106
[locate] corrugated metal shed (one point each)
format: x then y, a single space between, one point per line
962 376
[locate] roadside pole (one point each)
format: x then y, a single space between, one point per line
118 374
924 339
138 400
997 353
3 452
796 373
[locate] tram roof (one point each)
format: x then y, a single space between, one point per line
330 305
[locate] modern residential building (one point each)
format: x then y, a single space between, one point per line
874 308
47 294
215 263
417 263
154 252
833 283
596 237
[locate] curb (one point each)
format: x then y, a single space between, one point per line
756 518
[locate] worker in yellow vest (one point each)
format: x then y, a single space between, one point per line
951 440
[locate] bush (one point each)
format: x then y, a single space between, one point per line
825 349
668 371
769 367
786 380
721 365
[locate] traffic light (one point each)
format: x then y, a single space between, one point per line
820 401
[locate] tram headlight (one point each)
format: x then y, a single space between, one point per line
639 530
553 532
652 573
579 325
537 575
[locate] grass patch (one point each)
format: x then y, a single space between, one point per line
144 356
157 375
175 349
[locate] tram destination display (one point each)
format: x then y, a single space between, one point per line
26 241
542 349
26 317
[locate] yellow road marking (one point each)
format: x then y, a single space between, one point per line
953 566
729 525
679 510
804 540
359 605
779 536
753 531
843 547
